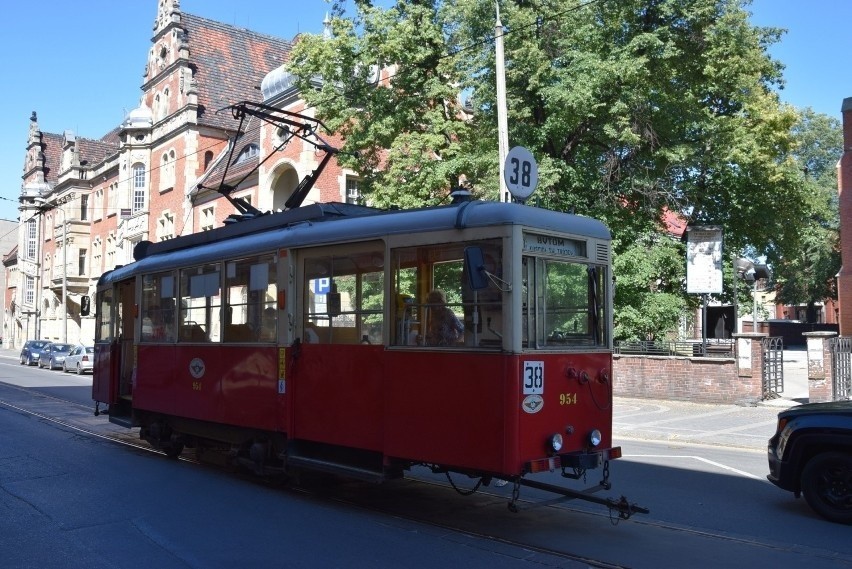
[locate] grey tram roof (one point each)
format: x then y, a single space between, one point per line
320 224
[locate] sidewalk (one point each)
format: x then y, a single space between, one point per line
747 425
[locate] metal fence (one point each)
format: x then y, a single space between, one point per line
712 348
841 367
772 374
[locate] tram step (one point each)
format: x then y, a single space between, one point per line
123 420
336 468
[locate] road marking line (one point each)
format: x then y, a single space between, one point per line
698 458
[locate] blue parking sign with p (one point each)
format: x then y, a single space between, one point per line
322 286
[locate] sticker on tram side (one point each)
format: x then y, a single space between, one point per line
532 403
196 368
282 371
533 378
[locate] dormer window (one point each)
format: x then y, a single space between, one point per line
250 151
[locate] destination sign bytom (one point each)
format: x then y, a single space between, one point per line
551 245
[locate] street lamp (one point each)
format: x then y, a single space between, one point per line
64 265
750 272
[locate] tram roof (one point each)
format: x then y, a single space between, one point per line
320 224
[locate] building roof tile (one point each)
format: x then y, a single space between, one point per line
230 64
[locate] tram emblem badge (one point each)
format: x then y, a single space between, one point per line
196 368
532 403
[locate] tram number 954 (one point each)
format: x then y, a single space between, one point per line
533 378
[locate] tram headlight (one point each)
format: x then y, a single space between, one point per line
595 437
556 442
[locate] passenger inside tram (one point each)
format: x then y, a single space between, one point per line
444 327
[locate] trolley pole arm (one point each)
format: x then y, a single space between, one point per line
301 191
624 508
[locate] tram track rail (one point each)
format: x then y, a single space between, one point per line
79 418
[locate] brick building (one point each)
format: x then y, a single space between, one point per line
85 204
844 188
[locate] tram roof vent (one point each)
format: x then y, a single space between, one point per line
602 252
460 195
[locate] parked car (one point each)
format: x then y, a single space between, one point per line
31 351
811 454
80 359
53 355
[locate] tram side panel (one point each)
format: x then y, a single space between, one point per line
231 385
448 408
337 392
479 412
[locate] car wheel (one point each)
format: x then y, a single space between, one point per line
29 361
64 368
827 486
79 369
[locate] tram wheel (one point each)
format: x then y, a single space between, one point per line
173 450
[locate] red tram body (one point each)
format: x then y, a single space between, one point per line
303 340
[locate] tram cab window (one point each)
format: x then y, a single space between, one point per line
158 308
344 297
200 303
427 278
104 316
250 313
563 304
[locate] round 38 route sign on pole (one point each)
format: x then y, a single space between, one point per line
520 173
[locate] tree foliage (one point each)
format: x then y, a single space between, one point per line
807 274
649 288
633 108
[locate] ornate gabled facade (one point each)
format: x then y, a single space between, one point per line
85 203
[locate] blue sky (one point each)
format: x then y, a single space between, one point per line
79 64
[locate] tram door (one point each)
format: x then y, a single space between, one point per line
337 379
114 352
125 325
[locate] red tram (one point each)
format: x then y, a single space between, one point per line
318 339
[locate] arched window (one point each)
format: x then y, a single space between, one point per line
167 172
139 187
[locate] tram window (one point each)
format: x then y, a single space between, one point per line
158 308
344 298
250 292
563 304
104 316
418 271
200 303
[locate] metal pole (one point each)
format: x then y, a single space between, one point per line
754 309
502 118
64 276
736 294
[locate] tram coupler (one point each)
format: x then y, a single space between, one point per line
624 508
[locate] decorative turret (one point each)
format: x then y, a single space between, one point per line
168 12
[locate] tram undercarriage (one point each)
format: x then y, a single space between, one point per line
271 454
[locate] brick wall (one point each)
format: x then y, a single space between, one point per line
702 380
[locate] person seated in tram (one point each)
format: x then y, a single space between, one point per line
444 328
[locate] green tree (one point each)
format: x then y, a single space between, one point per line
649 298
807 274
632 108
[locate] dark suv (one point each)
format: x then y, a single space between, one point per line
811 454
